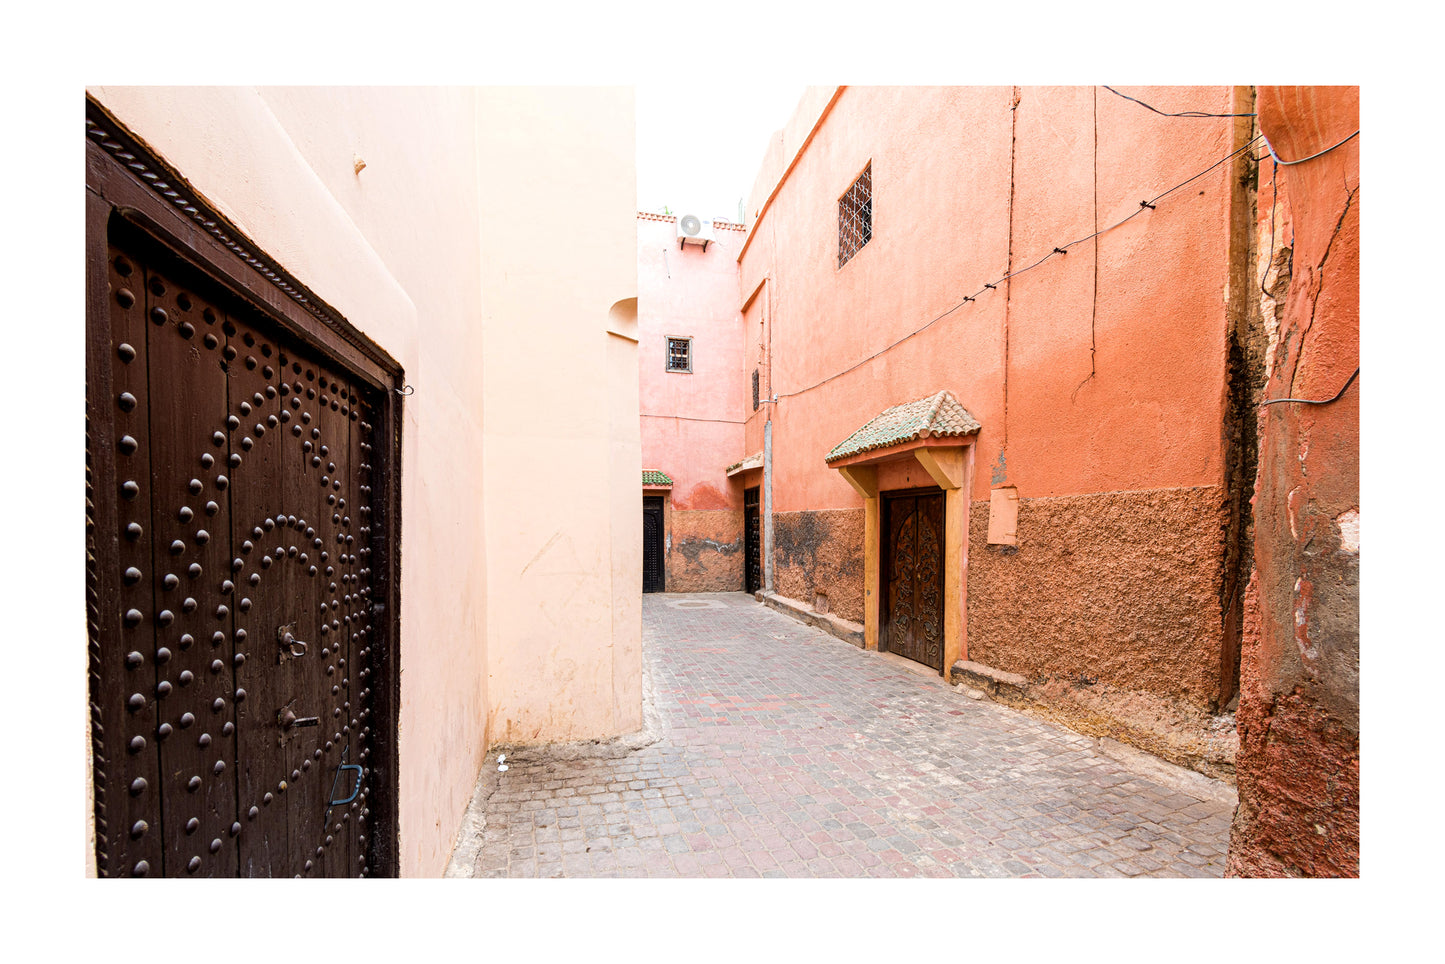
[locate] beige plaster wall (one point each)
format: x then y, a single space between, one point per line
444 250
565 655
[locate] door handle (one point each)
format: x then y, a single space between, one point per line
356 789
289 720
289 642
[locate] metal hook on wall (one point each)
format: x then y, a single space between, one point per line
405 390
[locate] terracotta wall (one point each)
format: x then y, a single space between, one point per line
692 423
411 251
1101 371
1299 716
1145 549
820 553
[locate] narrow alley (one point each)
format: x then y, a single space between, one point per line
780 751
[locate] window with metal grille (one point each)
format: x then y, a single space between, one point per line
679 354
855 216
755 389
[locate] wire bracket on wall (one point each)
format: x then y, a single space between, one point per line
405 390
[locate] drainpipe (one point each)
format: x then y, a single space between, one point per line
768 505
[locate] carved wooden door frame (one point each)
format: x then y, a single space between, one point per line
889 499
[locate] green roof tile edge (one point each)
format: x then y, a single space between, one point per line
940 414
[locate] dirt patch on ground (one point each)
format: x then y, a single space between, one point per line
1179 732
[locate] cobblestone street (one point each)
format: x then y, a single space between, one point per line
784 752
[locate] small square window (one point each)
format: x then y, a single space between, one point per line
855 216
679 354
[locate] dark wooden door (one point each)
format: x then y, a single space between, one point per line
652 569
752 541
911 622
232 674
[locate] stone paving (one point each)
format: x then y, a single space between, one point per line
784 752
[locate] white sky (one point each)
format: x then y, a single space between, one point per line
700 143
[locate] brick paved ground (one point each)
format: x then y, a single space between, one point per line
787 753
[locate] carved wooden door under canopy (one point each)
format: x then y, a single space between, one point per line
911 621
242 607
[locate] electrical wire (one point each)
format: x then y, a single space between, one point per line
1274 188
688 418
1184 113
1274 201
1312 156
1094 294
1313 401
989 286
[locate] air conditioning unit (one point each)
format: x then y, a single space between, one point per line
690 227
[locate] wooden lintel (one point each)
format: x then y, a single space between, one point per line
944 465
863 478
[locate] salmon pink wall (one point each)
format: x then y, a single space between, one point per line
691 423
966 182
1156 315
1098 374
755 355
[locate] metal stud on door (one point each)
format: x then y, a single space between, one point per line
239 460
240 571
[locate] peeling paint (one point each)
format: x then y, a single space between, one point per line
1298 716
704 551
1304 595
692 549
1000 469
1349 526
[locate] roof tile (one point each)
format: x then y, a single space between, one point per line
937 415
754 461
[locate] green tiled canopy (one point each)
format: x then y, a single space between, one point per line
936 415
654 477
